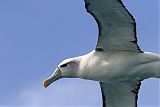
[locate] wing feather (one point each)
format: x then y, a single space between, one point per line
117 27
120 94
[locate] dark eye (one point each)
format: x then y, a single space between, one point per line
64 65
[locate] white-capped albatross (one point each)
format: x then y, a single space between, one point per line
117 63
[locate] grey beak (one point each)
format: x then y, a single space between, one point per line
56 75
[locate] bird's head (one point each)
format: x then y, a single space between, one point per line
66 69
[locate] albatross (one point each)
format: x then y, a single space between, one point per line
117 62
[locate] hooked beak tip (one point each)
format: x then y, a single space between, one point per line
45 84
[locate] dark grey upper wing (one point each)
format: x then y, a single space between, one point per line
120 94
117 27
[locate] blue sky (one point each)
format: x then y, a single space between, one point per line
36 35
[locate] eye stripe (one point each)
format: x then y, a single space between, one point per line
64 65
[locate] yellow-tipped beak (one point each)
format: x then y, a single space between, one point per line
55 76
45 84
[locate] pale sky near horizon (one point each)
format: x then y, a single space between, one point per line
36 35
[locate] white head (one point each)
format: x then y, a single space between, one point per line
68 68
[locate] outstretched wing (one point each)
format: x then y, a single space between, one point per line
120 94
117 27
